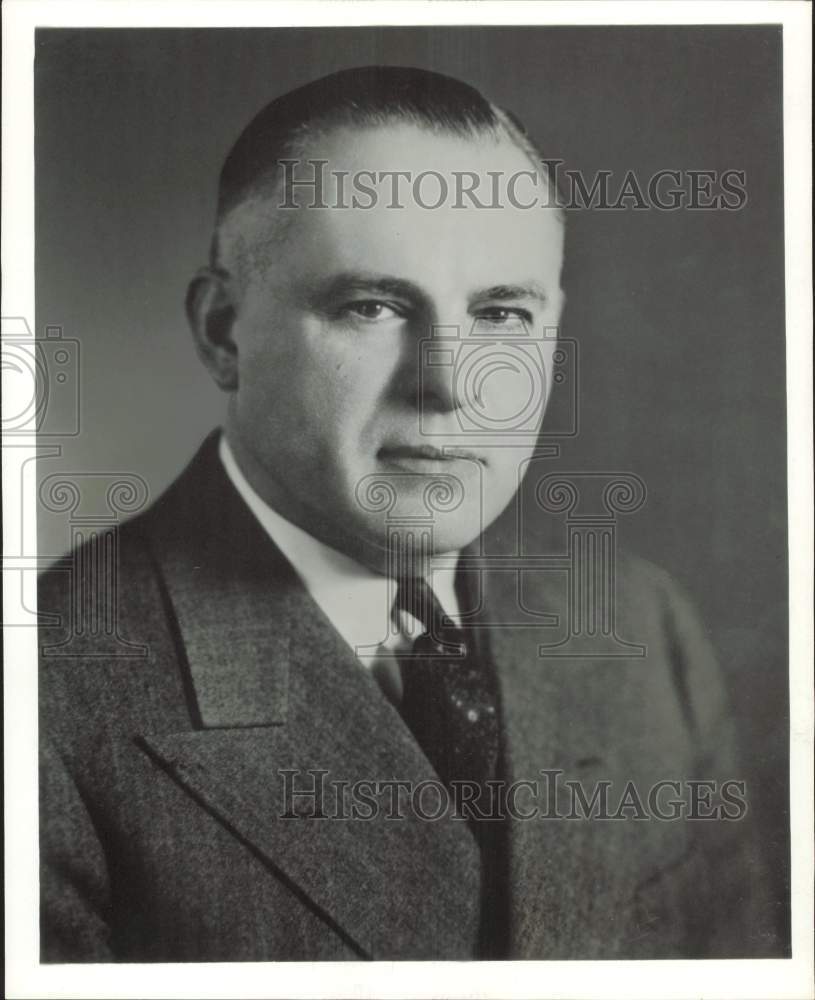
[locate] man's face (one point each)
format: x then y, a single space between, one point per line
345 414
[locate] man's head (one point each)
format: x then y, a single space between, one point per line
396 343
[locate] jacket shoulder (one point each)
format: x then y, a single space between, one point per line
108 658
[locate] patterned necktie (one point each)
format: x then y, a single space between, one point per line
449 699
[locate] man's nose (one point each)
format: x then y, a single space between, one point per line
439 384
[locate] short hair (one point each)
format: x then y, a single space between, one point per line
363 96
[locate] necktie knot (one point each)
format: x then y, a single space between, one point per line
415 595
441 636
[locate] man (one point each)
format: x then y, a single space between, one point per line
317 609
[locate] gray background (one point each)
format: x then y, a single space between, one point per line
679 315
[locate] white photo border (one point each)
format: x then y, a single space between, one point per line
769 978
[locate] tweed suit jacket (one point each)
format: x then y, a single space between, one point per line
166 834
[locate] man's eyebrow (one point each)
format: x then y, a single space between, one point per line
502 293
370 281
374 283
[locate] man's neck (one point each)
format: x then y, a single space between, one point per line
357 599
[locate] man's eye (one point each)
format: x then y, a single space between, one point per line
370 310
500 317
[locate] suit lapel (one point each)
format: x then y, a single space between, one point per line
276 694
581 720
554 865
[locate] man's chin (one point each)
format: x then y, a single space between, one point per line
402 519
400 545
418 489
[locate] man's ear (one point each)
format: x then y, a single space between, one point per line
211 314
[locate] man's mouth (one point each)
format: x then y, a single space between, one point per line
427 455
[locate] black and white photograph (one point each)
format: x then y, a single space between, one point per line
409 467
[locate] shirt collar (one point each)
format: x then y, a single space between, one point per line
357 601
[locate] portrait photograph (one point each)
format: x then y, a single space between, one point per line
411 502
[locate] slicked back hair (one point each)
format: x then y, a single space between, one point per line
365 96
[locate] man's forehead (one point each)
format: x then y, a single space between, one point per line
397 193
401 145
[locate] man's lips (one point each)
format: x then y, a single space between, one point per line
427 453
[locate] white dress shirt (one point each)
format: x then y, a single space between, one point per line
357 601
